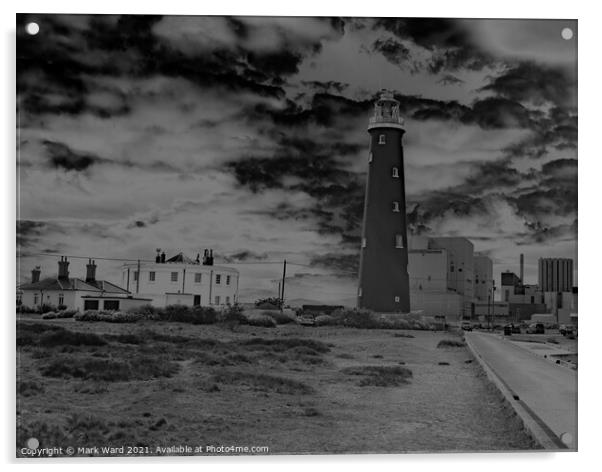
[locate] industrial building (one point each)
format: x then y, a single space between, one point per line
182 280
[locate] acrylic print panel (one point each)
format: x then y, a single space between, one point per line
268 235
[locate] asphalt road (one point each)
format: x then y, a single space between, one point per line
547 389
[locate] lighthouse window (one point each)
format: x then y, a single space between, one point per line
395 172
396 207
381 139
396 299
363 242
370 157
398 241
359 292
174 276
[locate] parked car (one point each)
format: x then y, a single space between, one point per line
515 329
566 330
466 326
508 330
306 320
536 328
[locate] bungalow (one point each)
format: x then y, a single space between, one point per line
74 293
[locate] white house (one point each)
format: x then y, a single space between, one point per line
75 293
181 280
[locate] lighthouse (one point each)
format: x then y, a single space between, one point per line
383 279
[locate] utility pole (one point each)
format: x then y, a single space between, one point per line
283 277
138 277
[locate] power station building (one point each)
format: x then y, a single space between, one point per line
383 273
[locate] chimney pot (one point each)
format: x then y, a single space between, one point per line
63 268
90 271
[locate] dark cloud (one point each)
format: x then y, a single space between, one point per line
347 265
530 82
500 113
245 255
395 52
63 157
330 86
28 232
449 79
448 40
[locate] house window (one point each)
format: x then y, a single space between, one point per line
135 275
227 300
19 298
451 269
395 207
396 299
174 276
532 300
35 299
197 277
364 242
90 305
399 241
217 299
61 299
381 139
227 281
506 295
395 172
111 305
370 157
359 292
151 276
218 279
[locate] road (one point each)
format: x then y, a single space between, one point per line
549 390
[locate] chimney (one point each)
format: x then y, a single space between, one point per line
198 258
158 256
63 268
210 256
162 258
205 257
91 271
35 274
522 269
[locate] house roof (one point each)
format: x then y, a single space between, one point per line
180 257
56 283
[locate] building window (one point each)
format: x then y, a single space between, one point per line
395 207
61 299
359 292
135 275
35 299
451 269
218 279
395 172
90 305
19 298
217 299
174 276
111 305
198 277
151 276
532 300
381 139
506 295
227 281
370 157
399 241
227 300
396 299
364 242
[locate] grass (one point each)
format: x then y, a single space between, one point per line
263 382
450 343
380 376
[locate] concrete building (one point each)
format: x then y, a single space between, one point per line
73 293
483 277
383 274
181 280
555 275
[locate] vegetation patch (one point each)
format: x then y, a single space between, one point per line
450 343
380 376
263 382
283 344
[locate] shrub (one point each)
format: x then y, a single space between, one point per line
283 344
59 314
271 303
380 376
45 308
262 320
70 338
147 312
28 388
49 316
232 316
25 309
204 315
355 318
108 316
281 317
450 343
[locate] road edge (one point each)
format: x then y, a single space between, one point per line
535 425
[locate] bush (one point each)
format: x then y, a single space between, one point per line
147 312
380 376
108 316
265 321
356 318
281 317
25 309
70 338
271 303
263 382
450 343
186 314
232 316
45 308
59 314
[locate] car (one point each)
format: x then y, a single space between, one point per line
515 329
306 320
466 326
536 328
567 330
508 330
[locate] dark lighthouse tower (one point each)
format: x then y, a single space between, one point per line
384 281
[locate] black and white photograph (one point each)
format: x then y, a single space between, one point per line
295 235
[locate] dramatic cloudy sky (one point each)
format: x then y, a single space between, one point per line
248 135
